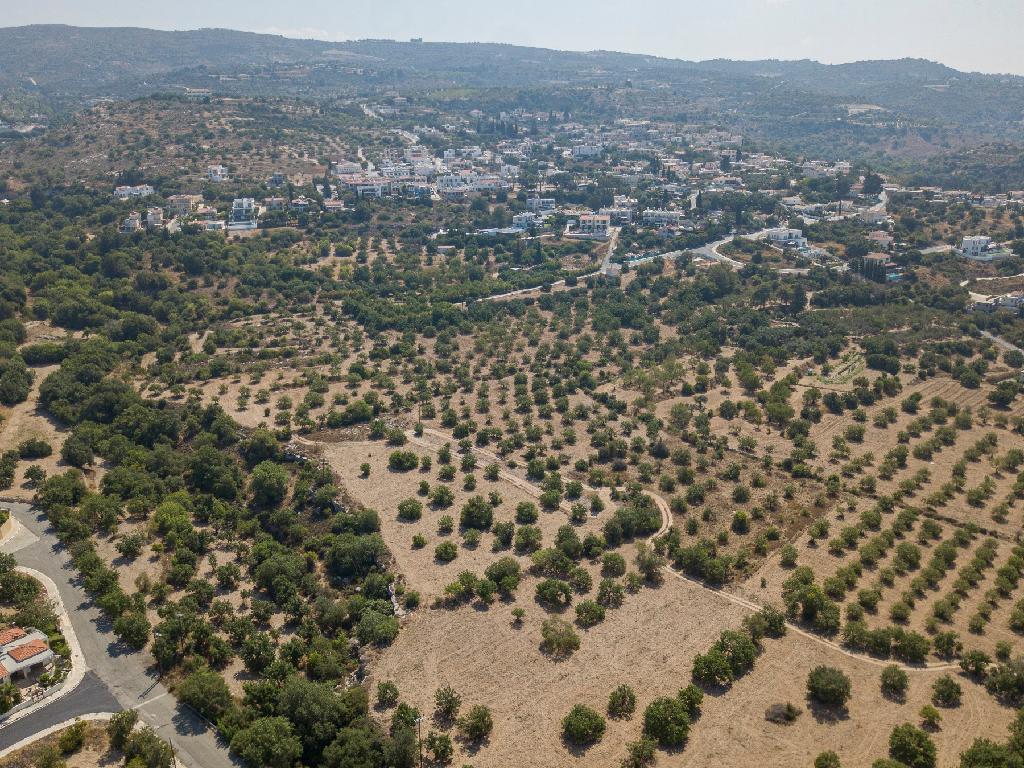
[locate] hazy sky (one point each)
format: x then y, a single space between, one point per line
975 35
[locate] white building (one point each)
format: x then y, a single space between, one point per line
783 237
618 214
217 174
142 190
22 651
154 218
243 214
541 204
527 220
592 226
132 224
658 217
586 151
981 248
873 216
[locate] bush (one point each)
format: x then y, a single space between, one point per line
667 722
828 686
73 738
10 696
269 484
206 692
589 613
894 682
554 593
559 638
477 513
268 741
410 510
946 692
827 760
912 747
446 551
120 726
150 750
583 726
403 461
34 449
622 702
446 703
387 694
477 724
506 573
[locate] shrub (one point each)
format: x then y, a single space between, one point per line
828 686
446 551
912 747
403 461
622 702
583 726
589 613
559 638
268 741
613 564
206 692
387 694
446 703
410 510
894 682
667 722
73 738
946 692
477 724
477 513
120 726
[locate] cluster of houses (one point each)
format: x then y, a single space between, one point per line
462 172
23 652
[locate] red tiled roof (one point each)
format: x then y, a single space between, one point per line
3 671
28 650
11 634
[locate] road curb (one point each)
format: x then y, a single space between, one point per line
103 716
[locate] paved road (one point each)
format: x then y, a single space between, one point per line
118 679
1002 343
91 695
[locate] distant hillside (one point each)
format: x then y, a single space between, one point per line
899 106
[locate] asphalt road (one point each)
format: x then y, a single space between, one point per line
118 679
90 696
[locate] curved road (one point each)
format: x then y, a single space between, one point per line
116 679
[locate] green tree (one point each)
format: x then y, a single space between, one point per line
268 741
206 692
582 726
828 686
120 726
912 747
477 724
622 702
269 484
667 722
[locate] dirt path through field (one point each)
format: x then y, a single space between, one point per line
433 439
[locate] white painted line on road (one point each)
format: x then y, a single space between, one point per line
155 698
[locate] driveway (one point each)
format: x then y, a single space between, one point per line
117 679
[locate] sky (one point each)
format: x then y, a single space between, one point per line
971 35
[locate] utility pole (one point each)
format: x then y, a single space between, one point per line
419 737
